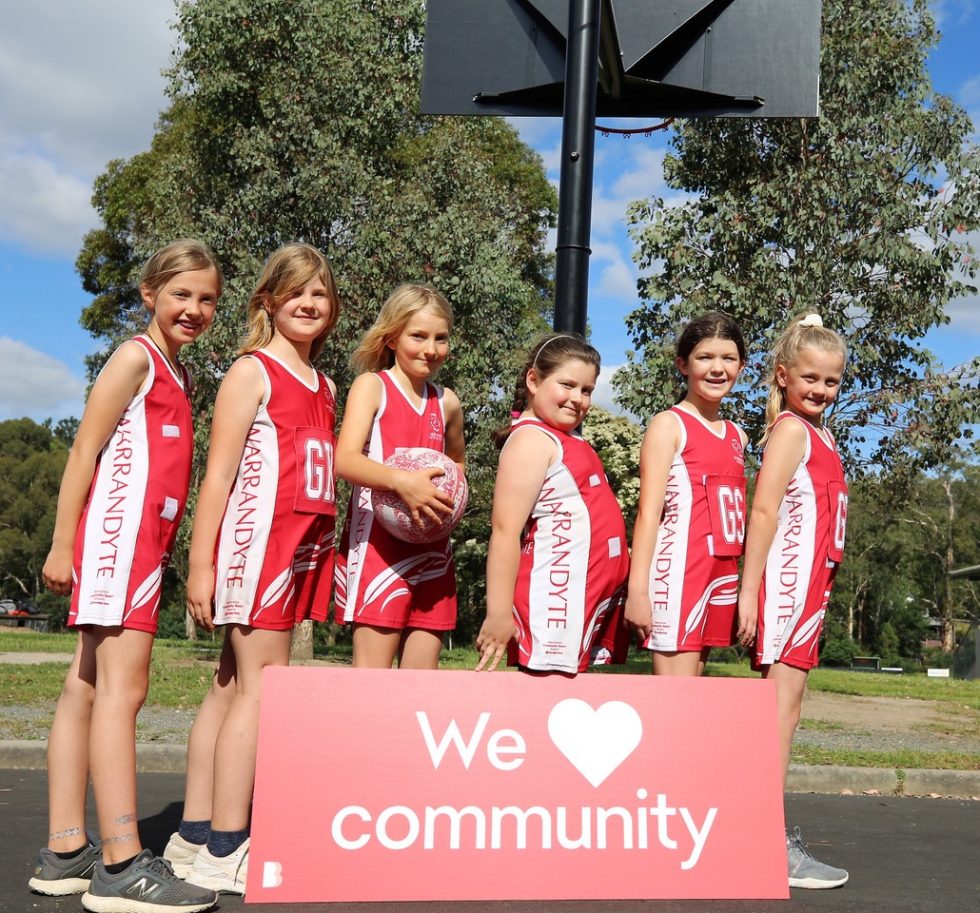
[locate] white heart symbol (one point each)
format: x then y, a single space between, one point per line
595 741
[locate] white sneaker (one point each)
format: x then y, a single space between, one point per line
181 853
224 874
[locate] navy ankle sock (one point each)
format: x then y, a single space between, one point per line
116 867
224 843
195 831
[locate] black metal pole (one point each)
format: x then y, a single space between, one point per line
577 162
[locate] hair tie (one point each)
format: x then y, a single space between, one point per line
516 413
811 320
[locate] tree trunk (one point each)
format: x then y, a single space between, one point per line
946 586
301 646
190 629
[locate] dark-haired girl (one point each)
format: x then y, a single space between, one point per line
690 526
557 563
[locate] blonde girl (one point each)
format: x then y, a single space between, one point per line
261 555
690 525
795 537
400 597
557 564
121 500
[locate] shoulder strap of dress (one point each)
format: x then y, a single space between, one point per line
539 425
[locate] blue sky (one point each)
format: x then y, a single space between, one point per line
81 84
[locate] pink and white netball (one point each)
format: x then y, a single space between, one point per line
392 512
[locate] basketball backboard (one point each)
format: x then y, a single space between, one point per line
657 58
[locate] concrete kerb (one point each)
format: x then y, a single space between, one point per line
24 754
964 784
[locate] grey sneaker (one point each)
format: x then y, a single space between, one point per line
61 877
148 885
807 872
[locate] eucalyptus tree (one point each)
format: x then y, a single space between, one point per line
863 215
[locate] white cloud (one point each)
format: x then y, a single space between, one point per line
43 208
645 177
964 316
969 97
950 13
618 281
551 157
616 274
603 394
969 93
80 84
964 313
537 131
36 385
639 175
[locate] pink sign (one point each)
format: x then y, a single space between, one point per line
396 785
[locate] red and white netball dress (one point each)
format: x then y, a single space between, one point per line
805 554
382 580
694 572
274 555
571 584
137 497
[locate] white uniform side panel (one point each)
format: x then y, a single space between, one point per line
558 576
244 533
115 510
666 585
347 586
790 562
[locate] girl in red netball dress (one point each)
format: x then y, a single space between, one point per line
121 501
690 525
795 538
557 564
399 596
261 555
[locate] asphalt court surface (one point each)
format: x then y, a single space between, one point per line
905 855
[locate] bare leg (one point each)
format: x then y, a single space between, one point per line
375 648
684 664
419 649
204 735
790 686
68 751
234 750
122 671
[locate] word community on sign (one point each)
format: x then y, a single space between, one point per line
451 778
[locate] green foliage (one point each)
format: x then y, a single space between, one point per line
902 542
617 441
862 215
888 645
300 121
838 651
32 459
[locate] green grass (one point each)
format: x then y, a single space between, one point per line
31 684
182 669
871 684
20 640
908 685
904 758
829 726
